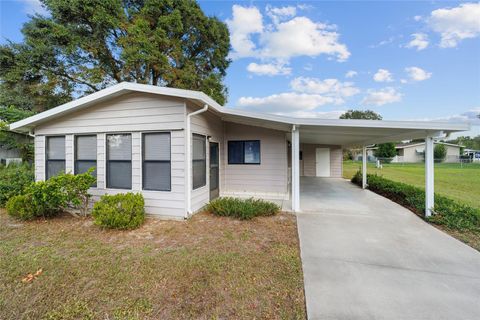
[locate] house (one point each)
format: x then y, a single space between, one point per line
415 152
180 148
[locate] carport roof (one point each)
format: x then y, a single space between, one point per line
322 131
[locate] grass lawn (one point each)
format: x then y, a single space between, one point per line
451 180
205 268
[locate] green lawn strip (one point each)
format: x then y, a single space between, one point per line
207 267
454 217
455 181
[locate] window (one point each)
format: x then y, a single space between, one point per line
156 161
85 154
55 156
244 152
199 161
119 161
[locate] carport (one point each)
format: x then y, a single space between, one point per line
362 133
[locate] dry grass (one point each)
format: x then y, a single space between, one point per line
205 268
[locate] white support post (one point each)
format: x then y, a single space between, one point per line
364 167
295 169
429 176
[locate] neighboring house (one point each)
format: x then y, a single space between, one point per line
181 149
415 152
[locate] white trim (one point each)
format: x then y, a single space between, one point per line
295 169
364 167
124 87
429 176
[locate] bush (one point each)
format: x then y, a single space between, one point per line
49 198
439 152
13 180
448 212
21 207
386 150
242 209
120 211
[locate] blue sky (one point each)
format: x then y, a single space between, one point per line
407 60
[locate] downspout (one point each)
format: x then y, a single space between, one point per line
188 157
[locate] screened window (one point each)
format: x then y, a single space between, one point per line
199 161
55 156
244 152
156 161
119 161
86 154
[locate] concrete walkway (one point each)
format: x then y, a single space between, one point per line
365 257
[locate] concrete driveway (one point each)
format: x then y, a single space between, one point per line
365 257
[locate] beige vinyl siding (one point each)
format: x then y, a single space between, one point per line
39 158
269 178
309 159
209 125
131 113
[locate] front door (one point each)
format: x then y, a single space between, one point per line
322 162
214 170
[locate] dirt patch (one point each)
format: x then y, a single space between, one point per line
203 268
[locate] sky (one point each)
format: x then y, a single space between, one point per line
406 60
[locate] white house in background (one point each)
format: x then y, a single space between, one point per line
415 152
180 148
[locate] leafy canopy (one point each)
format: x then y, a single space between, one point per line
85 46
386 150
439 152
359 114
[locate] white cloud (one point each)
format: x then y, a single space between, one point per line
301 36
298 36
419 41
456 24
469 116
417 74
278 14
328 87
351 74
417 18
268 69
245 22
383 75
34 7
286 102
306 96
382 96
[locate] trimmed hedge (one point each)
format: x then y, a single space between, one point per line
448 212
120 211
242 209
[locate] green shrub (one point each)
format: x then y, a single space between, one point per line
448 212
242 208
120 211
60 193
13 180
21 207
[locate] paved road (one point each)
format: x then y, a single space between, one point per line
365 257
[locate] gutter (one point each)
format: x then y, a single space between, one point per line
188 157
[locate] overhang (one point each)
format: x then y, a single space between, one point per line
321 131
